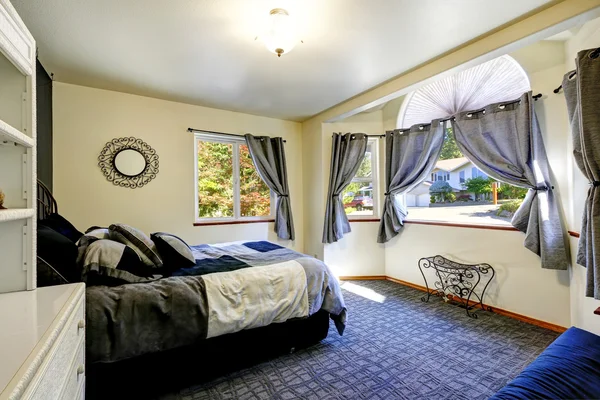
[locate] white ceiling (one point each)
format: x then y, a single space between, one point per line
203 51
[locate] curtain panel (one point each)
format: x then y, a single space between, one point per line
268 156
410 155
347 153
582 94
505 142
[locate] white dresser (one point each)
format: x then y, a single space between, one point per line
42 343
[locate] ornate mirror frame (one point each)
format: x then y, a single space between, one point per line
106 162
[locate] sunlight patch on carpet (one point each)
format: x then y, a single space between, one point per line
363 292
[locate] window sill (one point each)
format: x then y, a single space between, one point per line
236 222
492 227
457 225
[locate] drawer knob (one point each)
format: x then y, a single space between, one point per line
80 324
80 370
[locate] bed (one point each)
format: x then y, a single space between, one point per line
239 302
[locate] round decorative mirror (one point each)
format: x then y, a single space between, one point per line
128 162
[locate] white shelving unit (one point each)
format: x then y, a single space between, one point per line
17 153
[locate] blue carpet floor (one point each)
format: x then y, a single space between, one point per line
400 348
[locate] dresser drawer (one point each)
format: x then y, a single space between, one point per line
75 376
53 373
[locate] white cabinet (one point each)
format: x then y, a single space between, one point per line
42 343
17 153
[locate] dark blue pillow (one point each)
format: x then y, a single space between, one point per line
58 251
262 246
62 226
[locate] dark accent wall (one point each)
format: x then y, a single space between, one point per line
44 125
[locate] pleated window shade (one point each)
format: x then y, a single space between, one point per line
494 81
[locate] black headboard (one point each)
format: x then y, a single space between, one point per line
46 204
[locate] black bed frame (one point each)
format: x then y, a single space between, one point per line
151 375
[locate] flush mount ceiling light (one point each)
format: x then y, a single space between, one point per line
280 36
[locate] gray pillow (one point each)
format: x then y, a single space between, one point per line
138 241
111 263
91 236
173 250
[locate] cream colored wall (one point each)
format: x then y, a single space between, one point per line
521 285
390 113
85 119
358 253
581 307
312 161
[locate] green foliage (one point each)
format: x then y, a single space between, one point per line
350 210
215 183
450 148
512 192
451 197
351 190
440 190
255 195
440 187
510 206
364 171
432 199
478 185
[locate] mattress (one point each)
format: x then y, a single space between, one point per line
568 369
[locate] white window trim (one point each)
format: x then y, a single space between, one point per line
211 137
374 179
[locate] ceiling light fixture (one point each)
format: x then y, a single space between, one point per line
280 36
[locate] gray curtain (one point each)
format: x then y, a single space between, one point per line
583 99
347 152
409 158
504 141
268 155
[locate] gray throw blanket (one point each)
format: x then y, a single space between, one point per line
233 286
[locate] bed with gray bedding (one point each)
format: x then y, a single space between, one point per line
233 287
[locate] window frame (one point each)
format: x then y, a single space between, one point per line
235 142
374 180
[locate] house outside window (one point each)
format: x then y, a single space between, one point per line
477 173
227 185
360 197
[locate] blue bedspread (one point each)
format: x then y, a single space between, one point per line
568 369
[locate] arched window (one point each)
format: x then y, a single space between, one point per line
470 192
494 81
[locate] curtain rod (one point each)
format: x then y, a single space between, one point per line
593 55
218 133
535 98
560 87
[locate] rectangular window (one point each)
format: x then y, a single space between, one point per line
360 197
228 186
461 176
